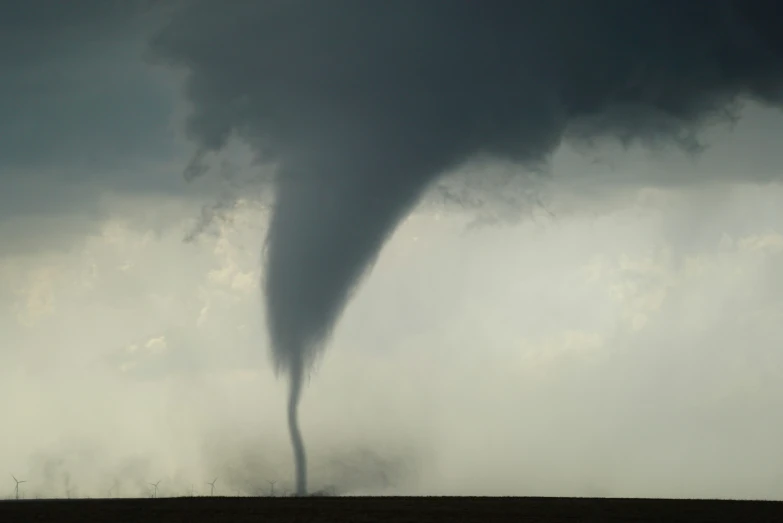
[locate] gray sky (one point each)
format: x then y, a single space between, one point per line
609 328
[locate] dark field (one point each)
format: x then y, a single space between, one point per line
344 510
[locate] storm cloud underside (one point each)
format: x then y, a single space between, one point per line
362 105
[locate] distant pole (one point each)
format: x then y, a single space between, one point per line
272 488
114 489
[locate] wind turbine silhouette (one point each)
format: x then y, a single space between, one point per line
18 482
212 484
272 488
155 487
113 488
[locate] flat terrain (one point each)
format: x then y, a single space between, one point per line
345 510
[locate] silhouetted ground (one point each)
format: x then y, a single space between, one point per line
367 510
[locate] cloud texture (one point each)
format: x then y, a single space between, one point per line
363 104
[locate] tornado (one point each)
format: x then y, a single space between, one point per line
300 456
361 105
314 260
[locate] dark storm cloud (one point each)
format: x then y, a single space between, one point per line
362 104
78 103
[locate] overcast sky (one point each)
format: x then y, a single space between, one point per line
611 327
